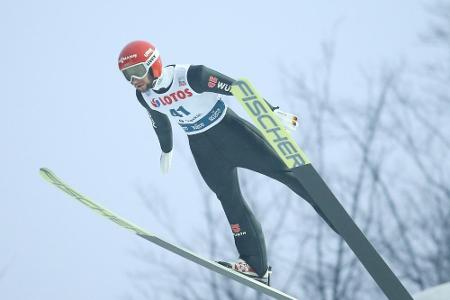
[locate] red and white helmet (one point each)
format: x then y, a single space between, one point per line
137 58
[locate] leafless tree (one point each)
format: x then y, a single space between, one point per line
396 186
335 272
421 116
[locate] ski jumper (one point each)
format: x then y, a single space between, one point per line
220 141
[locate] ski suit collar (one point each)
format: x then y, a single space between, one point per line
164 82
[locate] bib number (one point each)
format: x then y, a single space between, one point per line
179 112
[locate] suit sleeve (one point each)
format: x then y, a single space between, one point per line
203 79
161 124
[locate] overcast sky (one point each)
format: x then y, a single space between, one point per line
66 106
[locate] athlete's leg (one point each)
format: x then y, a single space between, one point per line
221 176
252 151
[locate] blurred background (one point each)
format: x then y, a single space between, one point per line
369 80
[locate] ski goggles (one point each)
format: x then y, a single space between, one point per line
140 70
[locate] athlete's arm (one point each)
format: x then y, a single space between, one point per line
203 79
161 124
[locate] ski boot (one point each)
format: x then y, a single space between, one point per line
244 268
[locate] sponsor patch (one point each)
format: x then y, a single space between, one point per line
212 82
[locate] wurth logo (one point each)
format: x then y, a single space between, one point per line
171 98
214 81
236 229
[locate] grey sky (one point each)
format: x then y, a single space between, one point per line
66 106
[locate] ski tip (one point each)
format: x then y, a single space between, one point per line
44 172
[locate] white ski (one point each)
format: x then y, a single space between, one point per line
213 266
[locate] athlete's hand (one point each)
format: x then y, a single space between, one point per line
290 121
165 162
